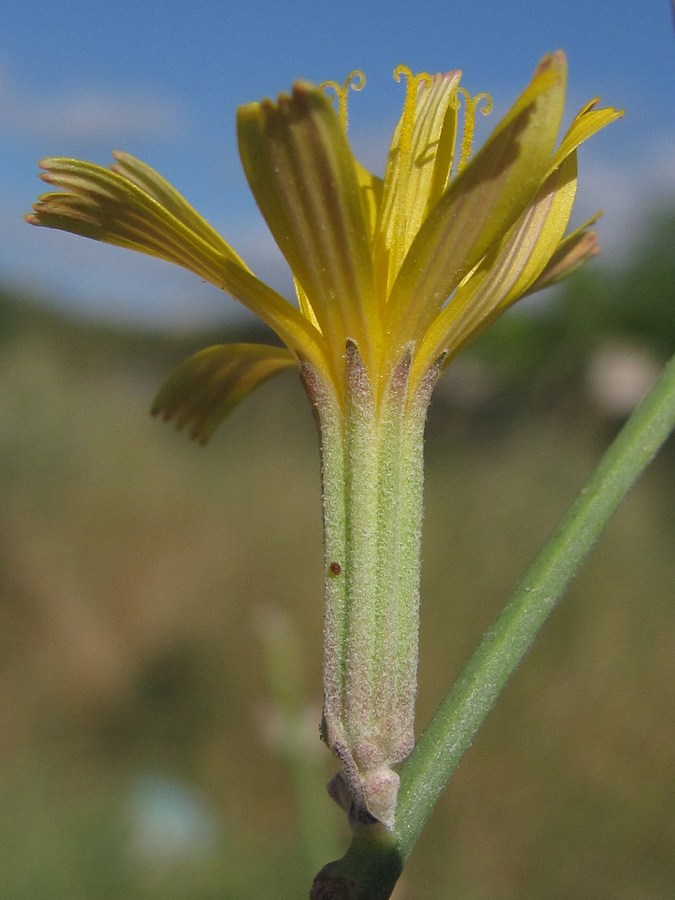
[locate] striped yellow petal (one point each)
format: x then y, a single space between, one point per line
152 183
587 122
421 260
507 271
371 196
482 203
132 206
204 388
574 250
304 178
418 166
105 205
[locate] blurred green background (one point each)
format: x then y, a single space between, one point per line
161 607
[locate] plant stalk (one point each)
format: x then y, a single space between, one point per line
372 474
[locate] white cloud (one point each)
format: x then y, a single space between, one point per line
85 112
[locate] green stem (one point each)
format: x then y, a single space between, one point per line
372 500
452 729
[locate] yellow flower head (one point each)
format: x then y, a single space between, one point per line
413 264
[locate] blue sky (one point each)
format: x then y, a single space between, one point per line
162 80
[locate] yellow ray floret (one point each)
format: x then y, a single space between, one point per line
418 261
